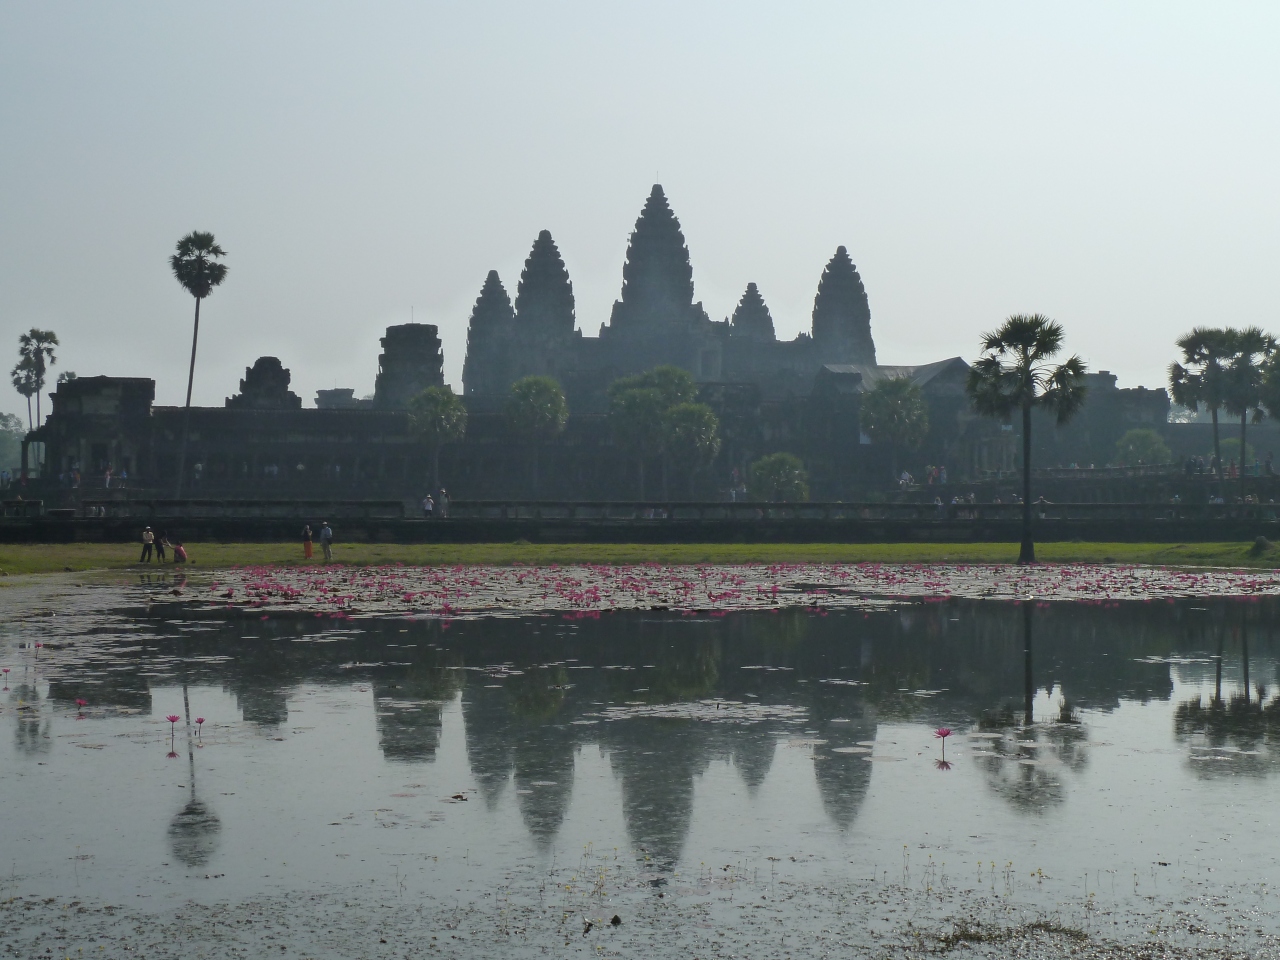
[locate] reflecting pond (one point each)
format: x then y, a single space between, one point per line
1098 754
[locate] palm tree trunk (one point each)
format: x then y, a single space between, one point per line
435 467
641 464
1244 418
893 460
665 494
186 413
535 470
1217 682
30 424
1028 687
1217 449
1027 553
1244 656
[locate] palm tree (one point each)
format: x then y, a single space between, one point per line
36 349
635 415
1269 392
1250 350
195 266
536 410
438 416
23 378
638 407
894 412
1201 376
691 437
1015 374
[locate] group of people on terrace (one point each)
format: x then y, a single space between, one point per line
1196 466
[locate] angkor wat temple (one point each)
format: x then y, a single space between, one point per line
800 395
656 321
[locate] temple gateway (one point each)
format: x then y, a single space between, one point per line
801 396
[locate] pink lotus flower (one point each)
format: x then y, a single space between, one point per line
942 764
199 726
172 754
942 733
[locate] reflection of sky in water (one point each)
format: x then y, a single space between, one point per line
684 743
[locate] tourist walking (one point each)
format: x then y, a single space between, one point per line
442 502
148 538
428 506
306 542
326 540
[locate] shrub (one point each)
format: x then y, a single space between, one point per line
1142 446
778 477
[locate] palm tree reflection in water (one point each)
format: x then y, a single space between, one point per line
1232 736
193 831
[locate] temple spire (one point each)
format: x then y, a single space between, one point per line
485 368
544 298
841 314
657 278
493 306
751 319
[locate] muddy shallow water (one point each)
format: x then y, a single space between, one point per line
749 783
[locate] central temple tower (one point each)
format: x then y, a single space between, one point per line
657 278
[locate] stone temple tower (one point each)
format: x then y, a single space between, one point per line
657 279
842 315
411 361
488 366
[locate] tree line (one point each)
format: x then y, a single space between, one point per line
653 415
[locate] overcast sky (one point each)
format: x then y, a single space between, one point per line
1112 165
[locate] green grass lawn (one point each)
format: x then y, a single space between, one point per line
46 558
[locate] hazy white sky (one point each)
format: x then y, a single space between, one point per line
1112 165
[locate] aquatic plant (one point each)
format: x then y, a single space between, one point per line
942 733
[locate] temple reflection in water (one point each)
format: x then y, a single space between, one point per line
662 696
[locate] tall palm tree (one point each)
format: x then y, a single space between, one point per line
635 416
195 265
1201 377
637 410
691 438
36 349
536 411
438 416
893 412
24 381
1251 349
1015 374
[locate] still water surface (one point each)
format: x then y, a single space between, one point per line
445 758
